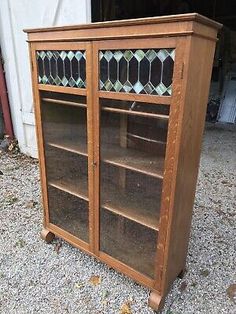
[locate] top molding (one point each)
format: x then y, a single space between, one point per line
170 25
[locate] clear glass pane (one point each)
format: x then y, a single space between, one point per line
132 151
69 213
65 124
128 242
65 135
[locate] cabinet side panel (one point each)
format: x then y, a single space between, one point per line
197 75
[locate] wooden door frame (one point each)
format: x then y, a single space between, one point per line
37 88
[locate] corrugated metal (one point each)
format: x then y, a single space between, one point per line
227 111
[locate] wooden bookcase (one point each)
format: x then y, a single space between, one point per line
120 110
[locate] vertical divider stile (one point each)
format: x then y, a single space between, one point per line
96 146
89 99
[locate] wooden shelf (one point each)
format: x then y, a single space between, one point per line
115 155
68 144
79 189
136 113
63 102
134 207
133 159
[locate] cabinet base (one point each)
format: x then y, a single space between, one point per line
156 301
47 236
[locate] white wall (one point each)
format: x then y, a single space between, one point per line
15 15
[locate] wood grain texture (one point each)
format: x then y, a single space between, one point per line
39 132
194 38
195 91
142 21
170 26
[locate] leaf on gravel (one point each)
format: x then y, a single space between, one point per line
95 280
30 204
183 286
57 247
231 291
79 285
20 243
205 272
125 309
11 200
105 294
1 173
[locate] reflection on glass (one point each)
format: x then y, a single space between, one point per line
128 241
69 213
132 151
65 126
65 135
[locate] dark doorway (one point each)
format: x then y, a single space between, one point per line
107 10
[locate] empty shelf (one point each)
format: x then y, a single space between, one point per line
79 189
79 147
134 160
132 206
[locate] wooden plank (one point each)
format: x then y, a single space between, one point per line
141 21
135 160
137 113
90 135
79 189
61 46
79 147
61 89
63 102
153 99
96 148
136 209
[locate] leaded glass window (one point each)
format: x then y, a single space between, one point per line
141 71
62 68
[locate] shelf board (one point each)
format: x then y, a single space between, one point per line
136 113
70 145
115 155
133 159
79 189
133 207
63 102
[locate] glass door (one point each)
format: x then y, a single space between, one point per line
62 84
135 90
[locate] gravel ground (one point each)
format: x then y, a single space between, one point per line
36 278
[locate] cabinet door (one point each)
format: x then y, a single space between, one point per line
135 86
62 113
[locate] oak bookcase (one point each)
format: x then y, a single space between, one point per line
120 110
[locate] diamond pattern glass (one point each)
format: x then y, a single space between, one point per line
62 68
141 71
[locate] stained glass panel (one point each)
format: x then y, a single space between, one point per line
146 71
62 68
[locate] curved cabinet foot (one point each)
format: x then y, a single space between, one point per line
47 236
156 301
182 273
